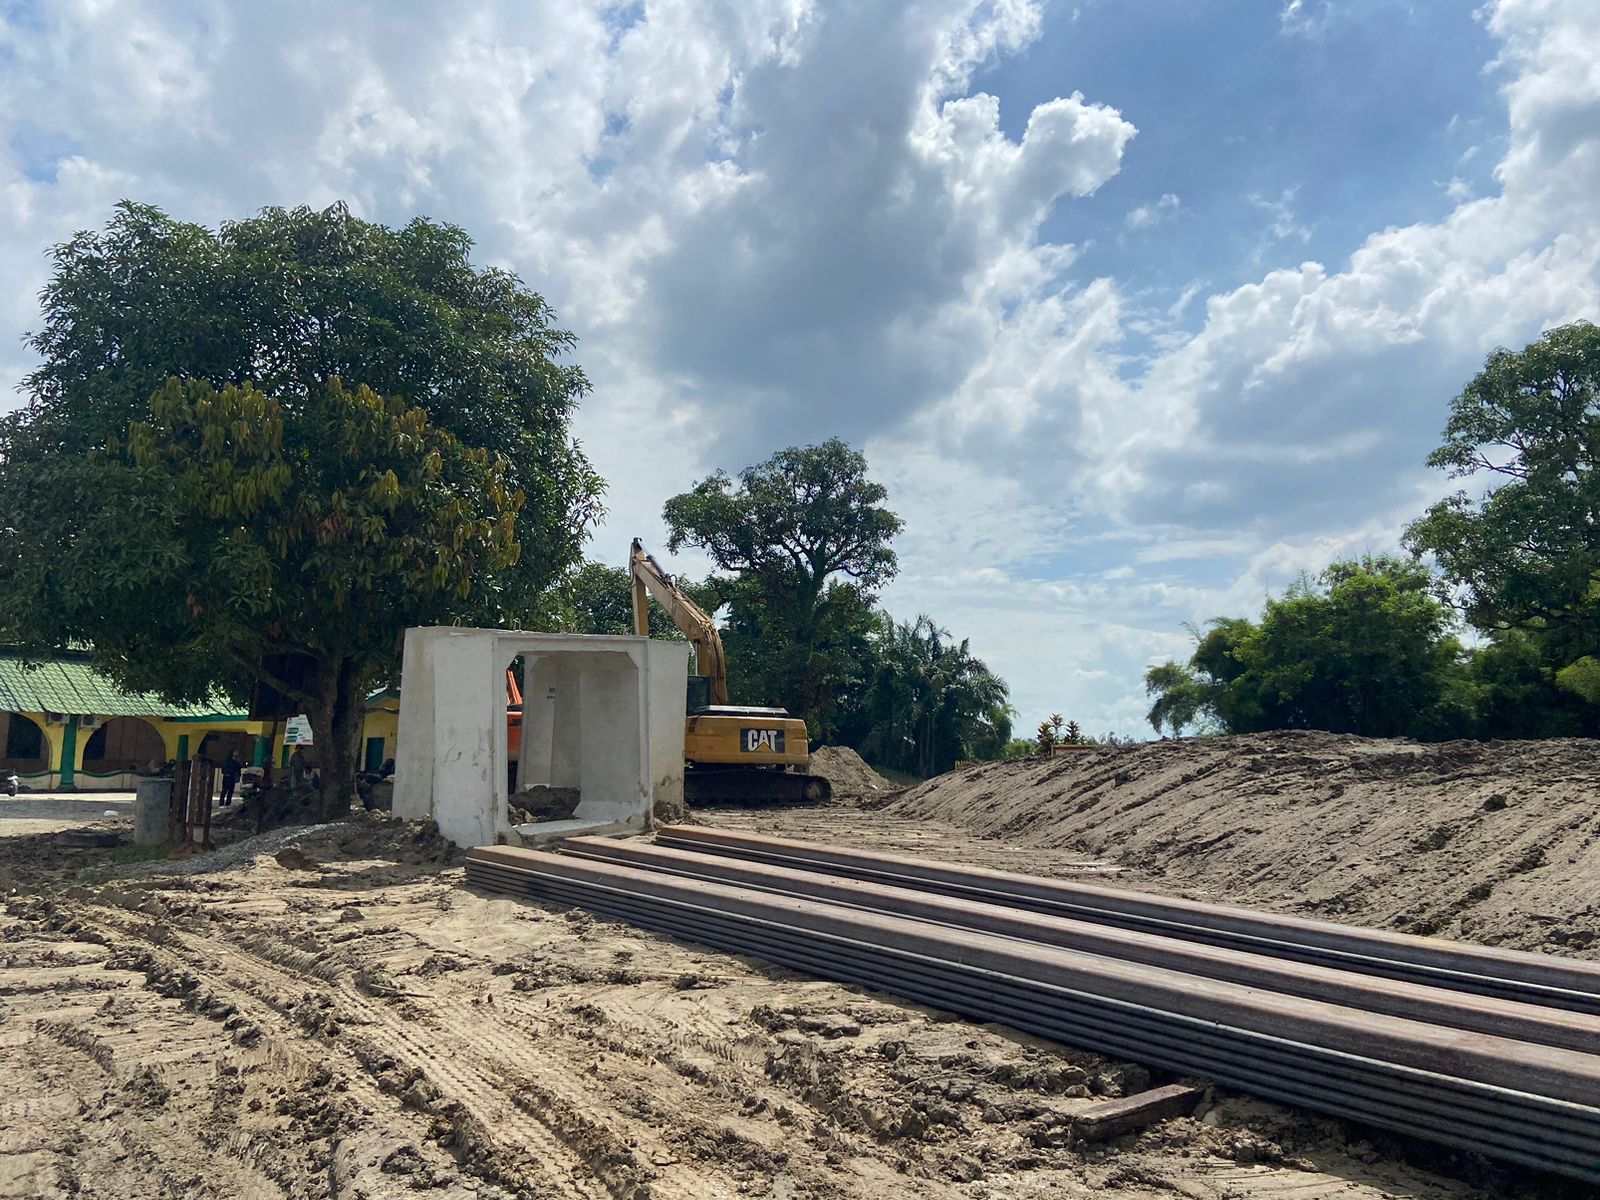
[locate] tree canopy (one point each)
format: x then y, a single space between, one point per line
288 299
1527 552
1372 651
1365 648
194 489
1525 555
243 531
801 517
802 542
927 700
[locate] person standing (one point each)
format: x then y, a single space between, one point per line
297 768
232 768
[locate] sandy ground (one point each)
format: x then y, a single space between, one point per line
50 812
342 1018
850 776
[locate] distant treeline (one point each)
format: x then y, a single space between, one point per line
1375 646
801 543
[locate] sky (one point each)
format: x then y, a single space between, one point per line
1139 310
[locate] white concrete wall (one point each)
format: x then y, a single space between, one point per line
602 714
566 746
541 680
666 680
414 741
448 752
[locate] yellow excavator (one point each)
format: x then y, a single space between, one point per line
732 753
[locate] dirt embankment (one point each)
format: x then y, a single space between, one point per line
1494 842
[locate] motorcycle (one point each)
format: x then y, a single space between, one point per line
8 781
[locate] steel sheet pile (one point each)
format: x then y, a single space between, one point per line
1489 1050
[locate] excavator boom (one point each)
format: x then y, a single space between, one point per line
688 616
733 754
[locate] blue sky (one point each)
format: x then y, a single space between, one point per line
1350 125
1139 309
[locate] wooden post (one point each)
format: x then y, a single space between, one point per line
178 806
198 781
207 795
1112 1118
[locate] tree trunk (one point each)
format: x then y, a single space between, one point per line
336 719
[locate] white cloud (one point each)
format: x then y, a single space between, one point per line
775 220
1282 225
1307 18
1147 215
1295 420
1186 297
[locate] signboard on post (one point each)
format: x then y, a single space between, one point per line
297 731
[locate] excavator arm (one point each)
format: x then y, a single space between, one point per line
737 755
650 580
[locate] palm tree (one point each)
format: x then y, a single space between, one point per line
932 701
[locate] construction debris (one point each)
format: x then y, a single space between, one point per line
1113 1118
541 803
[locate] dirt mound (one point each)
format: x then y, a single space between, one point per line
1495 842
364 835
849 774
541 803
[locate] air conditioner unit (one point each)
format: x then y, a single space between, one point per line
90 722
51 718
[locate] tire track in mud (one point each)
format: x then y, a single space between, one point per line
514 1086
558 1086
804 1097
482 1118
549 1104
111 1074
195 976
569 1101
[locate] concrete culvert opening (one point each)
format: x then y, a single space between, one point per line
592 743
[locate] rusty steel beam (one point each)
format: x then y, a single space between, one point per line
1438 1006
1528 1104
1547 1070
1465 1104
1529 978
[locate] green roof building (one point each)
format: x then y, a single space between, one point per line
63 725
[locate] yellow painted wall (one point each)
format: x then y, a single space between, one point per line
173 731
382 721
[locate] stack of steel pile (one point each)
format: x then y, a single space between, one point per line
1490 1050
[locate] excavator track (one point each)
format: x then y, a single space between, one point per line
753 786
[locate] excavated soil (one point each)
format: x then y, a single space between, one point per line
1494 842
329 1012
849 774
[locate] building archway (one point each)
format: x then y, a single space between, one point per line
121 745
219 743
26 749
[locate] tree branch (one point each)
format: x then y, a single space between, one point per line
265 676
